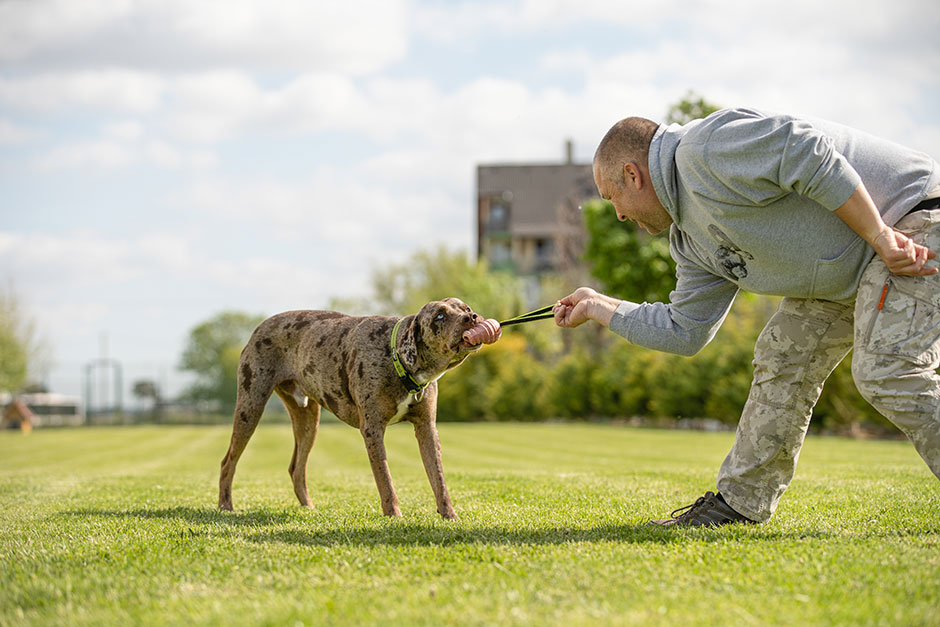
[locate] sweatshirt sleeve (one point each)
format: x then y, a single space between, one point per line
695 311
761 157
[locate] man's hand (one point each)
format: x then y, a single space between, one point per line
582 305
902 255
897 250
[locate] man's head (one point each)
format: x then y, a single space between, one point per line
621 173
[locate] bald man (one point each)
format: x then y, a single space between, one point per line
840 223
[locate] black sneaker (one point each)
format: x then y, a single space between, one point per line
708 511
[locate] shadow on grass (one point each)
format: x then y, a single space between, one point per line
192 515
292 527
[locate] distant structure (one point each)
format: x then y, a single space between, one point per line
528 215
44 410
18 416
107 399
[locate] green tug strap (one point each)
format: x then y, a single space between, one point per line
538 314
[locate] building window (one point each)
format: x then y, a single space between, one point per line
499 217
544 254
500 253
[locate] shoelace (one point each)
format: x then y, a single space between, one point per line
691 508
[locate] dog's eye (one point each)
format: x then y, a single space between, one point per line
440 316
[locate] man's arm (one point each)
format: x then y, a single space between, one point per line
899 252
683 326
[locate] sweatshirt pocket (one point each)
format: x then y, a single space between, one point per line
836 278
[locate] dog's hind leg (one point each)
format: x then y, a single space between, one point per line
254 389
305 418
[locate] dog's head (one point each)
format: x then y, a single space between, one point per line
441 324
435 339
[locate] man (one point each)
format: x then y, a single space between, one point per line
840 223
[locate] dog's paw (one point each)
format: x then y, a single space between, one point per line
449 514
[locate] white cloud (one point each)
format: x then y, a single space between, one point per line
218 105
26 27
71 317
297 33
126 130
100 90
165 155
210 106
184 35
771 76
127 149
12 133
83 263
344 219
98 154
78 260
167 252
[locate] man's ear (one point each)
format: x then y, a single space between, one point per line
633 175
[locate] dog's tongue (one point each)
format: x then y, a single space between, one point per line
486 332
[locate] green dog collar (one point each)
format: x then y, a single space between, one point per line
403 375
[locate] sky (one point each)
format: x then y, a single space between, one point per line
162 161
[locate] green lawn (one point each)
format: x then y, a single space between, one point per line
119 526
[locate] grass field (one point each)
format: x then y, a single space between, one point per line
119 526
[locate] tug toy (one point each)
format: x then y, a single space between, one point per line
490 330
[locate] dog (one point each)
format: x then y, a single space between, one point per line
370 371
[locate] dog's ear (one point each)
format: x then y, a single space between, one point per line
408 345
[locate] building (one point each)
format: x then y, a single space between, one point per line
46 409
528 215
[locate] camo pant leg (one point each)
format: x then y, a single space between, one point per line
795 353
897 343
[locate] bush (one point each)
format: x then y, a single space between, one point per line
537 371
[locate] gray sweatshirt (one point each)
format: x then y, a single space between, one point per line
752 197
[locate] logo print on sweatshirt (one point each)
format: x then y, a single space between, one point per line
733 260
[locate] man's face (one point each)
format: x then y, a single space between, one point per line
633 198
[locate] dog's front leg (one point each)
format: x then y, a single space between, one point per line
430 445
373 432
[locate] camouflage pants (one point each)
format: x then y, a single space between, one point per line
897 352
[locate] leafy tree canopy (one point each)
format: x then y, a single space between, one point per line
21 352
435 274
691 107
630 263
212 353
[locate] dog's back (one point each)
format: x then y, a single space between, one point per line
326 354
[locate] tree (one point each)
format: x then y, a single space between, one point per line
146 389
12 358
630 263
22 353
212 354
435 274
692 107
